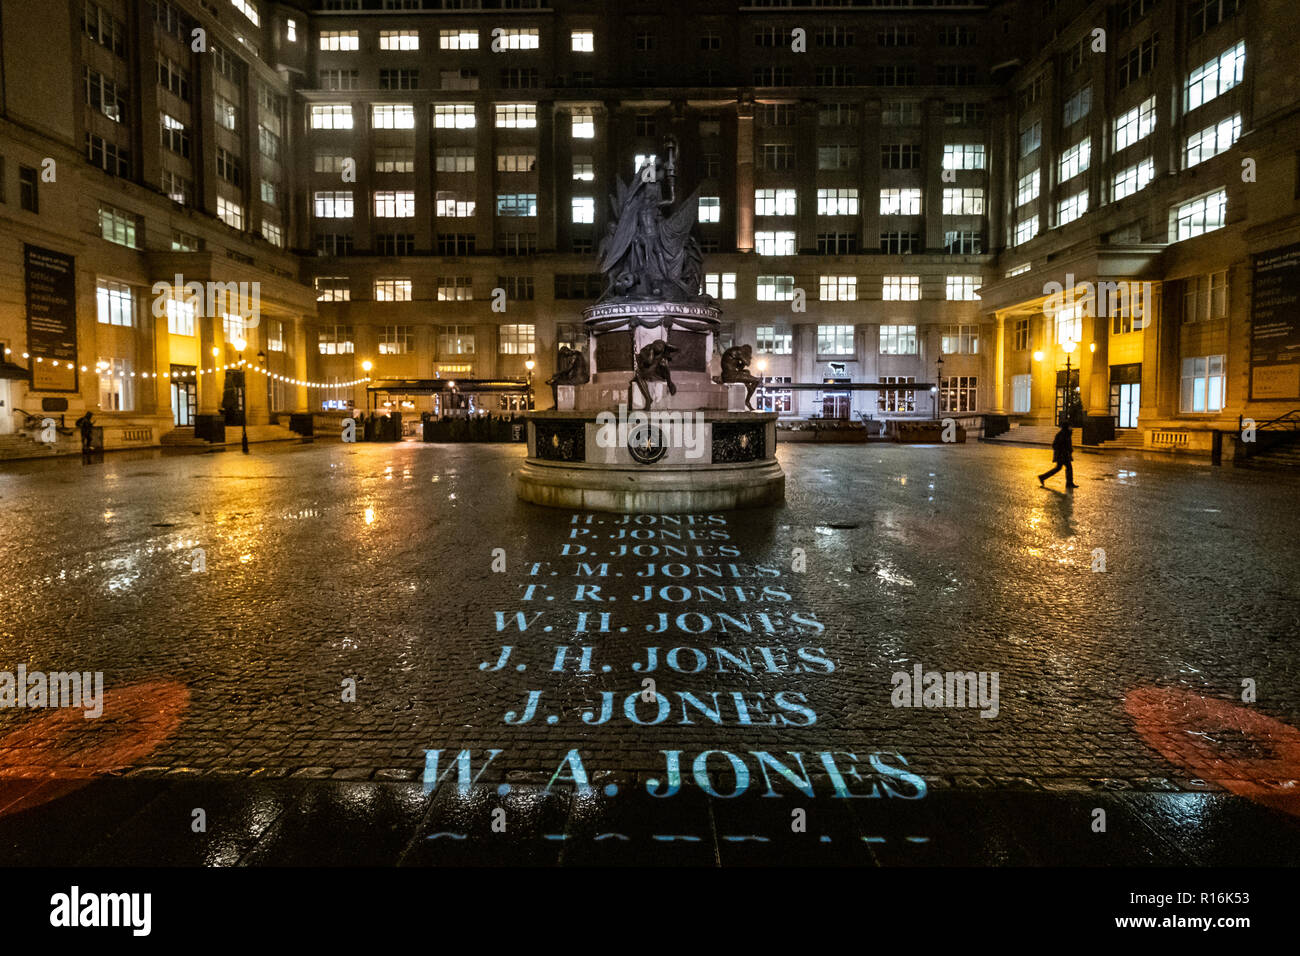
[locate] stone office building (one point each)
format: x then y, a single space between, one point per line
886 193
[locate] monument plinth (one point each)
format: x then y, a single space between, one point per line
650 418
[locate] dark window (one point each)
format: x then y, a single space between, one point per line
28 194
455 244
836 243
900 156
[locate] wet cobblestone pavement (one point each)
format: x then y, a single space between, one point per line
229 602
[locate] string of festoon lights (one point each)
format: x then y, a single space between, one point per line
102 368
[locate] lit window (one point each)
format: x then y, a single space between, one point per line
396 340
839 288
768 340
1027 188
181 312
1206 297
517 204
394 204
333 289
1068 321
963 202
720 285
331 116
116 386
231 213
837 202
399 40
453 116
901 288
247 8
1071 208
392 116
963 156
517 340
710 209
1021 393
392 290
526 38
1213 140
584 124
774 243
339 40
582 41
1199 216
775 288
898 340
775 202
516 115
115 304
1136 124
584 209
1075 160
960 340
1213 79
332 204
962 288
835 340
335 340
1134 178
516 162
900 202
1204 384
117 225
449 205
1026 229
458 39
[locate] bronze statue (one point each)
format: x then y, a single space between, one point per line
648 252
571 369
652 362
735 368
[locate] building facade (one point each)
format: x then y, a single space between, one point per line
956 195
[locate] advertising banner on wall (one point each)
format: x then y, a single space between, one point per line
1275 325
51 319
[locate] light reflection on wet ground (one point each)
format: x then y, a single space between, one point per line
259 583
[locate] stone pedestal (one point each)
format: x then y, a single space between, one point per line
697 449
736 396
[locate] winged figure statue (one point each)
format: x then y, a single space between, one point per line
648 252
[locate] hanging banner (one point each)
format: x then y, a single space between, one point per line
51 319
1275 325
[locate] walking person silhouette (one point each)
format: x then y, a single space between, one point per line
1063 456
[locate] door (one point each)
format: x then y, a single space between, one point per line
1125 394
1125 400
835 405
6 408
185 396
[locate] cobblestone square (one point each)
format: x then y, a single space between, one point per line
384 634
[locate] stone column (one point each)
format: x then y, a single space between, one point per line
547 213
932 151
1000 365
1097 368
745 177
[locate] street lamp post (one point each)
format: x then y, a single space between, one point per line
366 366
938 380
1069 346
530 365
